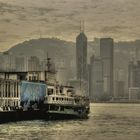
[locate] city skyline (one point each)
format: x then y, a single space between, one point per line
24 20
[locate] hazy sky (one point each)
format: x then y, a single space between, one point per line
25 19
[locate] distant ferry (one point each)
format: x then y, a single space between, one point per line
36 95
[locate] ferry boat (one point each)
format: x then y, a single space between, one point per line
64 103
37 95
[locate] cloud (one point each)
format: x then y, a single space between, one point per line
118 18
9 8
114 29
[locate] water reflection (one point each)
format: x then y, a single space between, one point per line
106 122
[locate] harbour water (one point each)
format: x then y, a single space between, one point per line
106 122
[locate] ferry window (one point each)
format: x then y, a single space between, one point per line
56 98
8 89
53 98
57 90
34 78
62 99
50 91
30 78
0 91
61 89
37 78
62 108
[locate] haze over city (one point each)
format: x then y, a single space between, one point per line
27 19
70 59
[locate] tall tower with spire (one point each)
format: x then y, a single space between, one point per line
81 54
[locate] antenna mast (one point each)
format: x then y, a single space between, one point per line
82 26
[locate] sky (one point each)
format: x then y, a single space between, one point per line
22 20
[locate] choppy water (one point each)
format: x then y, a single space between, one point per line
106 122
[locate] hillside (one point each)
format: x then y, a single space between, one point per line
40 47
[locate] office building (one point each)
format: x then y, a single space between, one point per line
119 89
134 93
106 54
134 74
96 78
81 56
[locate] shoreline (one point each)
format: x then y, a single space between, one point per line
118 102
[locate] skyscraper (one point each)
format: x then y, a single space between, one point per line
119 83
96 78
81 56
134 74
106 53
118 89
81 61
